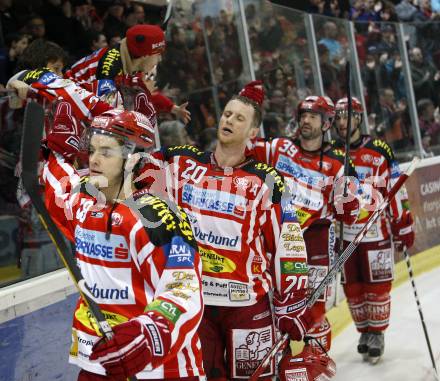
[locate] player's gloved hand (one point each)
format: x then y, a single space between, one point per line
136 343
290 315
403 232
346 208
136 80
65 135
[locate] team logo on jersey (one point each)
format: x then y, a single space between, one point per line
367 158
116 219
241 182
326 166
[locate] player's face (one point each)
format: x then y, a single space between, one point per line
105 161
310 125
236 123
56 67
341 123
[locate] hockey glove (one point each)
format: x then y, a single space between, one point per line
403 232
346 208
65 134
291 317
136 343
135 81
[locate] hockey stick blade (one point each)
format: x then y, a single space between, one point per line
30 149
338 265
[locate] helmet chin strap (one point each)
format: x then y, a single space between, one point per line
109 221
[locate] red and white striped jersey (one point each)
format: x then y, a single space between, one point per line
50 87
149 263
247 242
377 171
102 73
312 177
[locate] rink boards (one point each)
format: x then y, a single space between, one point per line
35 321
36 315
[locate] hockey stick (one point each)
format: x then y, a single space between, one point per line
346 168
338 265
30 148
419 307
167 16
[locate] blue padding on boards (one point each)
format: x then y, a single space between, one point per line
36 346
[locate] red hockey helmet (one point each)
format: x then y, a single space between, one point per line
320 105
134 127
309 365
342 105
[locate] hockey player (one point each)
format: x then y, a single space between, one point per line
314 174
369 271
249 245
139 258
122 75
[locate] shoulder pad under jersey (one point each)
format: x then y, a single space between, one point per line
382 147
269 175
339 155
186 150
109 65
338 144
160 222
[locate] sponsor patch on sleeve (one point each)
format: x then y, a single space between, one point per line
180 255
168 310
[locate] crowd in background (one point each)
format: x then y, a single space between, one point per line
204 63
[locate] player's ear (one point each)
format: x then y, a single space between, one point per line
253 132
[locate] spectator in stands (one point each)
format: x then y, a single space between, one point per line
329 73
429 126
371 76
394 116
8 21
388 42
365 10
16 44
274 125
95 41
36 26
330 34
425 76
58 18
271 34
135 15
113 21
208 139
388 12
405 10
173 132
